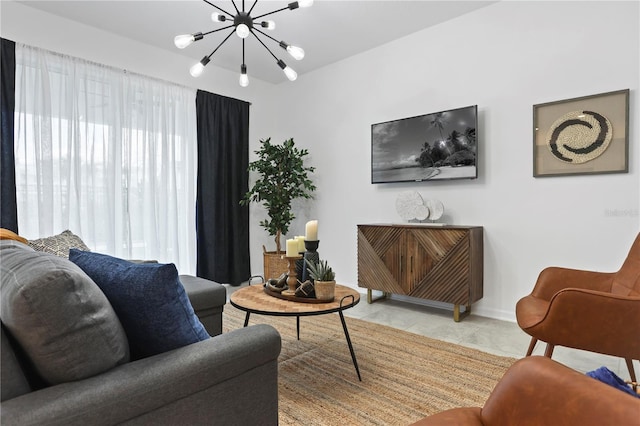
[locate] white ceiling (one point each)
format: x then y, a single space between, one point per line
329 31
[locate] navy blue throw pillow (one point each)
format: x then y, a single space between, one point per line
149 300
609 377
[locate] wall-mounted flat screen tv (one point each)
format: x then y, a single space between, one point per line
437 146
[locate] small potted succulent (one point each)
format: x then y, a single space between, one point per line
324 279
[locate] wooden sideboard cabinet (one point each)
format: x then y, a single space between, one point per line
441 263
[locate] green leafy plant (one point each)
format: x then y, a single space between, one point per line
320 271
283 178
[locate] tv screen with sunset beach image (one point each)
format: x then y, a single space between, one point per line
436 146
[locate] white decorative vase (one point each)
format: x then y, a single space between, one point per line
325 290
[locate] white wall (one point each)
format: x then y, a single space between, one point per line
505 58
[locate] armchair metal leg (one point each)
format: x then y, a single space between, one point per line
532 345
549 351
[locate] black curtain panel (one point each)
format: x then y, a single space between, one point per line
8 205
222 224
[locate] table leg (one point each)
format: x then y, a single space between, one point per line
246 319
353 354
298 326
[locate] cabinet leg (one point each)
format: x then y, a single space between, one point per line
457 316
370 298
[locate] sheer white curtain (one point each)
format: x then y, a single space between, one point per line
110 155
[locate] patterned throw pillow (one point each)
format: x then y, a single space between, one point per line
59 244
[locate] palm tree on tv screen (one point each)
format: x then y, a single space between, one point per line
439 122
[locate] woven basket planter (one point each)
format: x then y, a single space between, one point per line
275 264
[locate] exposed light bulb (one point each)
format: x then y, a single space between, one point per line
242 31
290 73
217 17
183 40
244 78
270 25
296 52
198 68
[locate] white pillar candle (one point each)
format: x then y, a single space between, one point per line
292 248
300 240
311 230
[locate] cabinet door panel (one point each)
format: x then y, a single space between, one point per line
376 269
437 242
448 279
417 262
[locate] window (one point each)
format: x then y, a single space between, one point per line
107 154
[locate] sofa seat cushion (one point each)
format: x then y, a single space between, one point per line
208 299
59 244
58 315
149 300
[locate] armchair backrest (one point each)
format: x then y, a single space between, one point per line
627 280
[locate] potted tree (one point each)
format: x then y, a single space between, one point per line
283 177
324 279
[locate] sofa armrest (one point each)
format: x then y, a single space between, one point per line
217 379
208 299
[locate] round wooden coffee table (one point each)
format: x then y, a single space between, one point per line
253 299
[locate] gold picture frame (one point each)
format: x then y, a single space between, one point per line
580 136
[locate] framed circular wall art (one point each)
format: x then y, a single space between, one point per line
587 135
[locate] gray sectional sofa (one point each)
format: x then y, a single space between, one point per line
228 379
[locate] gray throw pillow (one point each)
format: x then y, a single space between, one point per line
58 315
59 244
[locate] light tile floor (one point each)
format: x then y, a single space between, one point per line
498 337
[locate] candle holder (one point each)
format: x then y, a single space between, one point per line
311 256
311 246
292 279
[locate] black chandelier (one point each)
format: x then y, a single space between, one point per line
243 25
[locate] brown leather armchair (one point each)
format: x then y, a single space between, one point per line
593 311
539 391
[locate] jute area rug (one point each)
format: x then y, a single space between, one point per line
405 376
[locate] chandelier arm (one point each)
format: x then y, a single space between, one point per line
265 46
220 9
234 6
270 13
267 35
252 6
221 43
215 31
